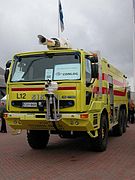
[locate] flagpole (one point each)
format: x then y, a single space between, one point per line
58 21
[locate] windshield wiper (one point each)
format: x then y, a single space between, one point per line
30 66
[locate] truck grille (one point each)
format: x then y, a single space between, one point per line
35 104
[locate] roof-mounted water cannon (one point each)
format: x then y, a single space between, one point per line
54 43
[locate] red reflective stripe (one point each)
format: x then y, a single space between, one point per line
115 82
27 89
66 88
119 93
95 89
41 89
106 90
118 83
125 83
104 77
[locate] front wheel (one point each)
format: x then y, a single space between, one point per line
100 143
38 139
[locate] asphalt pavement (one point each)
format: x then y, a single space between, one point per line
67 159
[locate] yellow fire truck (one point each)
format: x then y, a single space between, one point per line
68 92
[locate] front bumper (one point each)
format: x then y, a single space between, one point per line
38 121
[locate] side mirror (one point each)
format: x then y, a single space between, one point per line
94 70
94 66
8 64
94 59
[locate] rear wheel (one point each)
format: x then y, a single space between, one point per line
125 121
118 129
38 139
100 143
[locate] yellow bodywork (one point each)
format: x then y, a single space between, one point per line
81 116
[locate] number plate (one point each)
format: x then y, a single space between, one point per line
29 104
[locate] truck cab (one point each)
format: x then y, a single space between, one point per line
59 91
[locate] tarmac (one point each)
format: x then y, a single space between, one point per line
67 159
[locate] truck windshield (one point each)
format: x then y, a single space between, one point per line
49 66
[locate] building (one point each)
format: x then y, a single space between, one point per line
2 83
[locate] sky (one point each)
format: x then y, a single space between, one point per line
103 25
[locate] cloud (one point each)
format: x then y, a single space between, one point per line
101 25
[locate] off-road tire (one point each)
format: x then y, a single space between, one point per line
118 129
99 143
37 139
125 121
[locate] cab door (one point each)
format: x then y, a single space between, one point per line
88 92
111 97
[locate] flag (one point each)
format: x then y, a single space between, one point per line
61 17
134 10
134 4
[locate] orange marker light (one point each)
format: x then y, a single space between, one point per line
84 116
5 115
